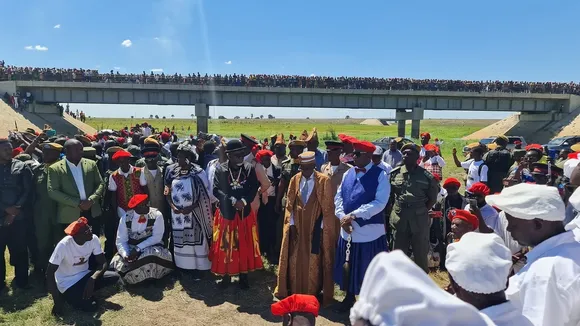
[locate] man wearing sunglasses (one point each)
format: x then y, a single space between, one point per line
360 202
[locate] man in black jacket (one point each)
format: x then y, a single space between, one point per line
15 192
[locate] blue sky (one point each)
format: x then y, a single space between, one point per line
505 40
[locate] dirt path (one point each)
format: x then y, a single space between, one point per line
499 128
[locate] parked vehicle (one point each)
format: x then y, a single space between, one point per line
386 141
557 144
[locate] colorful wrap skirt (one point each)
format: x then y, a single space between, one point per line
235 248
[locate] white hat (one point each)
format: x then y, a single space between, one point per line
569 166
378 151
395 291
528 201
574 200
479 263
307 157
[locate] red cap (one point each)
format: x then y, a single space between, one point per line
430 148
137 200
451 182
479 188
17 151
296 303
517 142
121 154
536 147
464 215
120 140
76 226
573 155
426 135
164 136
364 146
263 153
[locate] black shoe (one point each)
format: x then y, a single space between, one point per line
226 281
244 284
345 305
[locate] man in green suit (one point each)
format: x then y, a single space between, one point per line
76 185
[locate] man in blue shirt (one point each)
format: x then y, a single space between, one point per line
393 156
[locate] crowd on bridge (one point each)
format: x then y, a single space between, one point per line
325 215
8 72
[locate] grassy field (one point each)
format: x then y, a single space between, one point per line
177 301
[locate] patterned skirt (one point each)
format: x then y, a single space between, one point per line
154 263
235 248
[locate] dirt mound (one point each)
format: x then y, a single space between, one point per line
499 128
80 125
374 122
12 119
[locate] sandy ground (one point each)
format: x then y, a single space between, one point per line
498 128
10 119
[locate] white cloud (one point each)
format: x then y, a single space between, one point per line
127 43
57 26
312 75
156 38
156 70
228 62
116 68
36 48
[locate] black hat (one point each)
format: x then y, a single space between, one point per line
332 145
248 141
149 151
234 145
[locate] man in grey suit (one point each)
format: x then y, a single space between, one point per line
76 185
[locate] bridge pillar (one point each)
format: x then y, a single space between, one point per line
401 117
416 122
202 116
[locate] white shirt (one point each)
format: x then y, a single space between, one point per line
435 159
506 314
490 217
122 241
473 175
303 182
77 172
153 173
385 167
548 286
210 172
146 131
73 260
368 232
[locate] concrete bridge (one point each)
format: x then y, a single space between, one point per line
409 104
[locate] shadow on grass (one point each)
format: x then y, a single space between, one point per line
20 299
152 290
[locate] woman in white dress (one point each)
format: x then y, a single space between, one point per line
186 189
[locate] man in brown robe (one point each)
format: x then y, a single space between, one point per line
334 169
309 235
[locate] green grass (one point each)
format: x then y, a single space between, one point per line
176 302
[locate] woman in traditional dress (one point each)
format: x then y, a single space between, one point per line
235 249
186 189
140 252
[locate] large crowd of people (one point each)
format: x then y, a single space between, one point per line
8 72
325 216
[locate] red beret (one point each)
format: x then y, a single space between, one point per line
120 140
76 226
165 136
451 182
17 151
430 148
347 139
426 135
263 153
296 303
464 215
535 147
517 142
364 146
479 188
121 154
137 200
573 155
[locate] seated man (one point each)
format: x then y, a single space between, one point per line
141 255
68 275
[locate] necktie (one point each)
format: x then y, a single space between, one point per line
357 170
304 191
